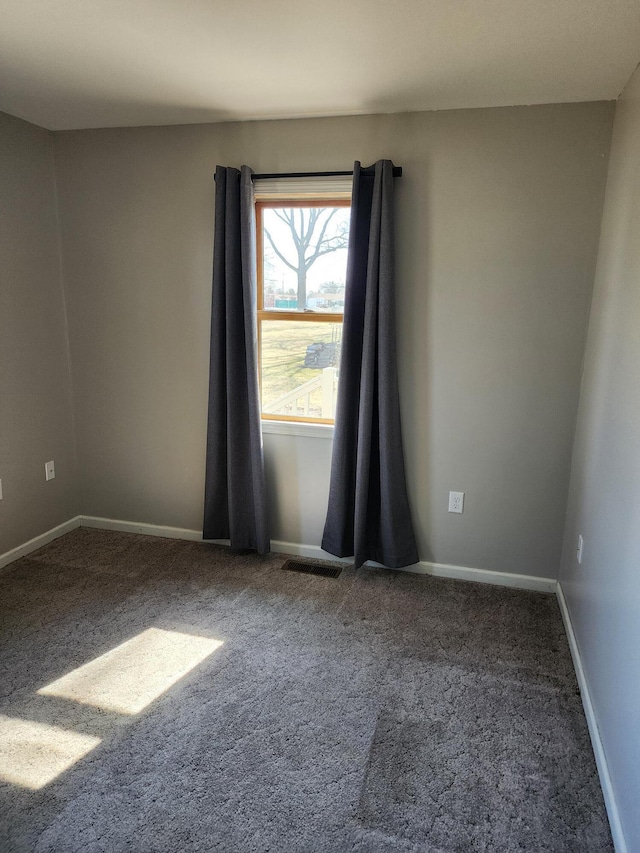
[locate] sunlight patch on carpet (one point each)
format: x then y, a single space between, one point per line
34 754
128 678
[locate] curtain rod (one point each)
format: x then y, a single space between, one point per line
397 173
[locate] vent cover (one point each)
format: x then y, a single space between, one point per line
321 569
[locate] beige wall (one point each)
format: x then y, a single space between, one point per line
498 221
603 592
35 393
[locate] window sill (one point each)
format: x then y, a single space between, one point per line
293 428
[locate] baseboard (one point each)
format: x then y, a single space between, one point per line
314 552
467 573
441 570
598 749
164 532
38 541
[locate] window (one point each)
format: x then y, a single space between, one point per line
302 258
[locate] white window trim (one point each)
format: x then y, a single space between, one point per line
306 430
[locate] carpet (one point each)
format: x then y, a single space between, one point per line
162 695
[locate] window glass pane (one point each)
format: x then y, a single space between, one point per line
304 258
299 367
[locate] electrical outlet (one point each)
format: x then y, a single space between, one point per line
456 501
579 548
49 470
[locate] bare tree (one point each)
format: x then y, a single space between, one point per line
312 238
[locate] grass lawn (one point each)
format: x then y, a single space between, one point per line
284 346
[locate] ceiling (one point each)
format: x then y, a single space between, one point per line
103 63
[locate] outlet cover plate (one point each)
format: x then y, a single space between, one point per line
456 501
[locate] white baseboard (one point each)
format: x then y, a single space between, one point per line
314 552
466 573
164 532
598 749
441 570
38 541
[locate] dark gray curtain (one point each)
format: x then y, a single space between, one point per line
235 503
368 513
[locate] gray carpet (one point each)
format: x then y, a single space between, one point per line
381 711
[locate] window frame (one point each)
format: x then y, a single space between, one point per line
293 315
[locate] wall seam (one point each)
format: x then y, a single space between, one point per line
584 351
65 311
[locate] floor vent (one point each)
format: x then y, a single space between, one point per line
324 571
